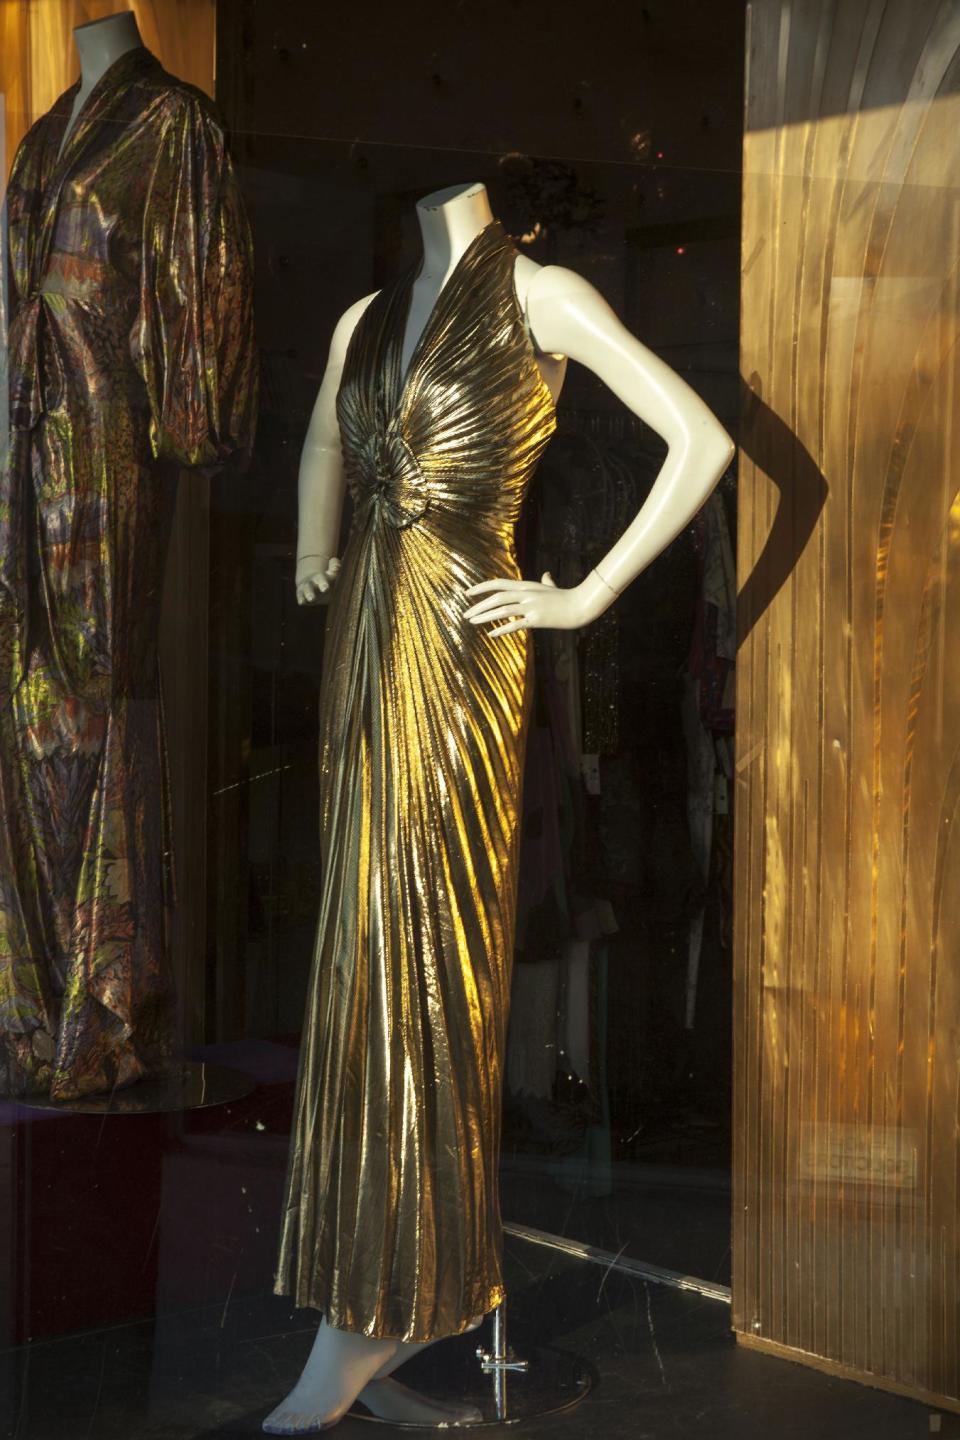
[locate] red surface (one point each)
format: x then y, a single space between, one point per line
120 1217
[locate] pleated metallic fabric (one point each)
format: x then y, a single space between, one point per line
392 1221
131 355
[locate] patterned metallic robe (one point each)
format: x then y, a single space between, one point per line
392 1221
131 355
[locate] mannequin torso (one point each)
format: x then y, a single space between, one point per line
99 44
449 221
567 318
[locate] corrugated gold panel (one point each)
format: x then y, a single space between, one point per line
847 1010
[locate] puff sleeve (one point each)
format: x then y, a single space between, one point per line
193 340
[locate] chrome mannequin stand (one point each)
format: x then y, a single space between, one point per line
542 1382
500 1360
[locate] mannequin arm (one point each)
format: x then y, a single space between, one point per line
569 317
321 481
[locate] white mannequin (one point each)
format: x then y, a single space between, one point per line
568 318
99 44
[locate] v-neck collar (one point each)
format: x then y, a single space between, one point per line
125 66
401 379
55 164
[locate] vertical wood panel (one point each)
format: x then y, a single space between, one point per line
847 1004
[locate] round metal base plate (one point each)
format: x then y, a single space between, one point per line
187 1085
553 1381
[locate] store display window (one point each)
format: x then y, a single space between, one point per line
477 731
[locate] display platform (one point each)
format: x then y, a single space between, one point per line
187 1085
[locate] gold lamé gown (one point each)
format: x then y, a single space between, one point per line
131 355
392 1222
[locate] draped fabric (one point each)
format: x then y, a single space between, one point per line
392 1223
131 355
38 57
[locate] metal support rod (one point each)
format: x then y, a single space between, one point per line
500 1359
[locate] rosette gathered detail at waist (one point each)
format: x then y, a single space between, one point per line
386 481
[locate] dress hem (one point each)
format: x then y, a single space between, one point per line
415 1336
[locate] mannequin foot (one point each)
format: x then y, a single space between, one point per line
340 1365
389 1400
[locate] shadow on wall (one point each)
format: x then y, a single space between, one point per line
772 447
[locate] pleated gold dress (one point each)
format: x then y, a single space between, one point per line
392 1223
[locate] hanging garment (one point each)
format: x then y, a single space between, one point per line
392 1223
131 355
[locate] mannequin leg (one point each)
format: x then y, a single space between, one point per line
406 1349
389 1400
342 1367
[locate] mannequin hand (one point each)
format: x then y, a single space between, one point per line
315 575
531 604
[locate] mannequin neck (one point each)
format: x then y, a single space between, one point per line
102 42
449 220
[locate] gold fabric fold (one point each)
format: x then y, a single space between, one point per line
392 1222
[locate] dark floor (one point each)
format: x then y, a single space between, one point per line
663 1360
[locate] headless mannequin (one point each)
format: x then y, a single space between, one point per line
568 319
99 44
